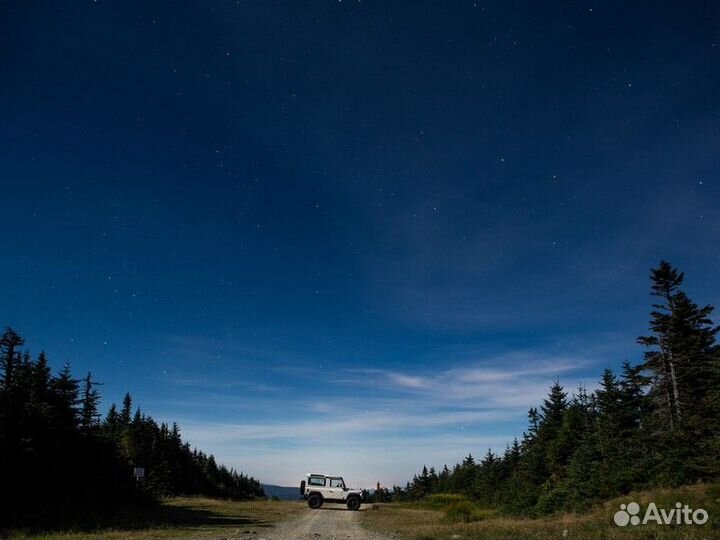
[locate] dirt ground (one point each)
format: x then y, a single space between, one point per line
327 523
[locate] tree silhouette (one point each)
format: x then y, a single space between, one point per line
63 461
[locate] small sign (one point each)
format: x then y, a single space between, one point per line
139 473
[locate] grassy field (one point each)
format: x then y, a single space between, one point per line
182 518
420 521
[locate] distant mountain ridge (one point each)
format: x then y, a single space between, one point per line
284 493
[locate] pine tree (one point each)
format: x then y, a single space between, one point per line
530 436
682 359
126 413
633 385
10 342
65 399
552 413
680 347
554 407
512 455
41 375
111 425
607 399
175 434
90 398
465 476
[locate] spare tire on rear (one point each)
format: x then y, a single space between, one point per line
302 487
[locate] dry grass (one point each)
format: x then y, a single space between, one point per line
189 517
414 522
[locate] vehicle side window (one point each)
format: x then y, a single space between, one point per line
336 482
316 481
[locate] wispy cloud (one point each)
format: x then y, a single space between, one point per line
408 381
375 422
510 380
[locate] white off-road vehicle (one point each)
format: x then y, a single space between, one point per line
324 488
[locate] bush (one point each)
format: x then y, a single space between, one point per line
553 501
462 511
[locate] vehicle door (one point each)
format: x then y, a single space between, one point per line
336 488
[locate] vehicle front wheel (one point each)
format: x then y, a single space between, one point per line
315 501
353 503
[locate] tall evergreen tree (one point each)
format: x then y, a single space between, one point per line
126 413
680 348
41 379
681 357
90 398
10 343
65 399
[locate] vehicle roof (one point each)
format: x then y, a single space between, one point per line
326 475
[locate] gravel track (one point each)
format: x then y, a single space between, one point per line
327 523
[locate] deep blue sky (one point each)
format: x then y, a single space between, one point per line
355 236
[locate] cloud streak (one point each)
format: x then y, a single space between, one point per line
342 425
510 380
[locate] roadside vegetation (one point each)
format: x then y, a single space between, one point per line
453 517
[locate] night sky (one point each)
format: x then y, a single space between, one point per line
354 237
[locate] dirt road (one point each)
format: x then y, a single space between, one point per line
326 523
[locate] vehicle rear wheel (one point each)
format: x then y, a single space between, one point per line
315 501
353 503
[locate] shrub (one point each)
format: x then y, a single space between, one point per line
462 511
553 501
